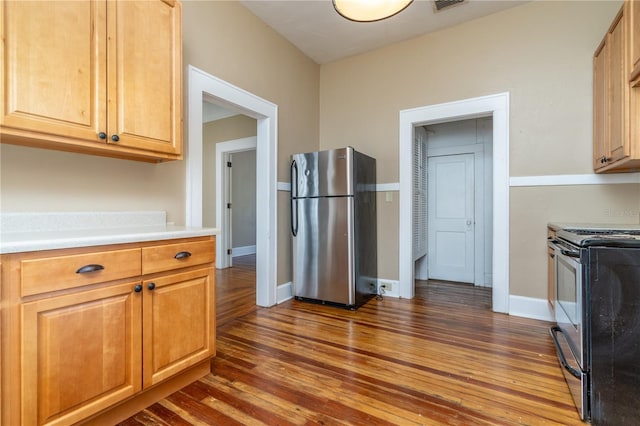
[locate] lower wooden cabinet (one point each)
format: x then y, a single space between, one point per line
87 348
178 327
76 351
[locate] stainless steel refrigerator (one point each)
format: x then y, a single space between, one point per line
333 226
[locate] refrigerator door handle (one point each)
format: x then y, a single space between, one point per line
294 186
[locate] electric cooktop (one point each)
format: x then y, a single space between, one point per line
600 236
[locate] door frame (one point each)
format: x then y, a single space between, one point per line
497 107
223 149
203 86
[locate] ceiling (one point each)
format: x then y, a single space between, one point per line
315 28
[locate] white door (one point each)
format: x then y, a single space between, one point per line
451 218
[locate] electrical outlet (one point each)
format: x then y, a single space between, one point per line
386 286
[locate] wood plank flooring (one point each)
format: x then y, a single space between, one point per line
442 358
236 289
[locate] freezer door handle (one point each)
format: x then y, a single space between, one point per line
293 175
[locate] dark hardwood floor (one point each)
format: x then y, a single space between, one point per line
236 290
442 358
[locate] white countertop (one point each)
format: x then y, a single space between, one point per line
35 232
17 242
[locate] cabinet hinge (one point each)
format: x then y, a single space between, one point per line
228 163
229 251
228 205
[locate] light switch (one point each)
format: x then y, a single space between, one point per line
388 196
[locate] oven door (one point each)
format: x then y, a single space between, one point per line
568 335
569 299
576 378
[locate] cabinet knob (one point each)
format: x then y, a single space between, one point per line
102 135
138 288
115 138
151 286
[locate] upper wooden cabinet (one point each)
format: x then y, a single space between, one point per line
93 76
616 146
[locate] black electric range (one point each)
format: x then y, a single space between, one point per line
597 332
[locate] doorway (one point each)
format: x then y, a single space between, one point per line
201 86
224 203
496 107
459 200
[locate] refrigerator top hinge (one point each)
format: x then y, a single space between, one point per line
228 163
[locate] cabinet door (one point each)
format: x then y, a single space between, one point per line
618 82
179 323
145 108
53 72
633 12
600 120
81 354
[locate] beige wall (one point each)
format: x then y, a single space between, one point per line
38 180
541 53
224 39
533 207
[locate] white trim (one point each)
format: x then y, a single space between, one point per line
590 179
529 307
243 251
385 187
223 148
203 86
496 106
381 187
284 186
285 292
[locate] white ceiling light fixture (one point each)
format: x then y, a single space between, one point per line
369 10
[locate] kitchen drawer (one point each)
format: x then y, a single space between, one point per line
64 272
174 256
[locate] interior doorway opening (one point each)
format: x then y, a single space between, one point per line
497 107
452 205
205 86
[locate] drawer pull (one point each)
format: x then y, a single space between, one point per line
89 268
182 255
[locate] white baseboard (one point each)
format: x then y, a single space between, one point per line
284 292
529 307
395 287
243 251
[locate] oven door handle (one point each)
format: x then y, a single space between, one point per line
569 253
563 360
